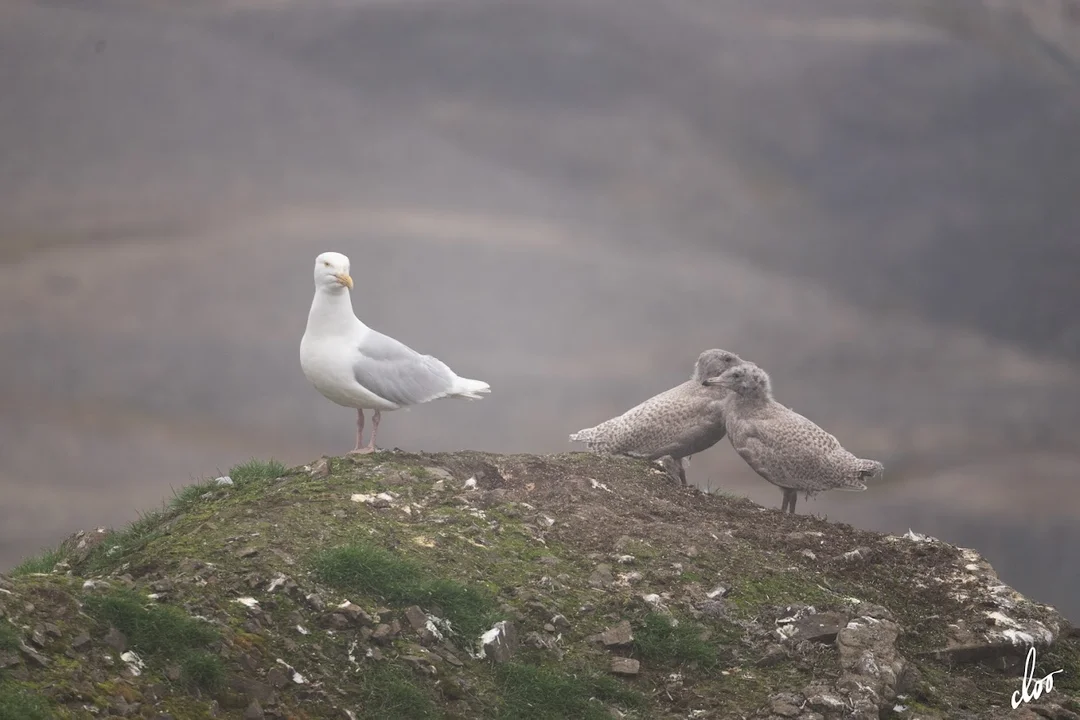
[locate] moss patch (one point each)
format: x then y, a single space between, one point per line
372 571
161 633
530 692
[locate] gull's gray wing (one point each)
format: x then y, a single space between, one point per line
395 372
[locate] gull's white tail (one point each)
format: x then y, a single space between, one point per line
472 389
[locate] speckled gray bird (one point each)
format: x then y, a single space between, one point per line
784 447
678 422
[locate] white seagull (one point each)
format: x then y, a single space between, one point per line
355 366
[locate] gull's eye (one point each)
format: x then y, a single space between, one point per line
326 263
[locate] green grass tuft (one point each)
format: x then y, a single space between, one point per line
43 562
371 570
188 496
254 470
9 636
161 633
531 692
19 703
203 670
659 640
121 543
388 692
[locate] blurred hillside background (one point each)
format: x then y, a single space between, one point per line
877 201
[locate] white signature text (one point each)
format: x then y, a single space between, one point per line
1031 689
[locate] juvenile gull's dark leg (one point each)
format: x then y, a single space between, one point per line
790 496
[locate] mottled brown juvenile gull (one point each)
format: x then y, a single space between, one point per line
678 422
784 447
357 367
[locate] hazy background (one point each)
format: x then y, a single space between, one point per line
879 202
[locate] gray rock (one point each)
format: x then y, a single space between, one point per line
277 678
819 627
33 656
602 576
8 659
625 666
416 617
116 639
254 711
561 623
383 634
774 654
315 602
871 663
439 473
500 642
785 704
248 552
620 635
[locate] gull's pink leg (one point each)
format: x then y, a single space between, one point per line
359 433
374 429
375 417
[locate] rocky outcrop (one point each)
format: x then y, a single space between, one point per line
471 585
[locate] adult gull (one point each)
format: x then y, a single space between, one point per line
358 367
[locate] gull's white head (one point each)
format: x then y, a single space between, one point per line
332 271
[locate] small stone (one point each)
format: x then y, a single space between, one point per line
37 636
784 709
320 468
561 623
254 711
8 659
383 634
808 554
248 552
625 666
548 560
356 614
549 627
172 672
315 602
338 621
601 577
774 654
620 635
52 630
380 503
116 639
224 481
858 555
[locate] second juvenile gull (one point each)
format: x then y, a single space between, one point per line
677 423
784 447
355 366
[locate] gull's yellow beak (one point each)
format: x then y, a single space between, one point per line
344 279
